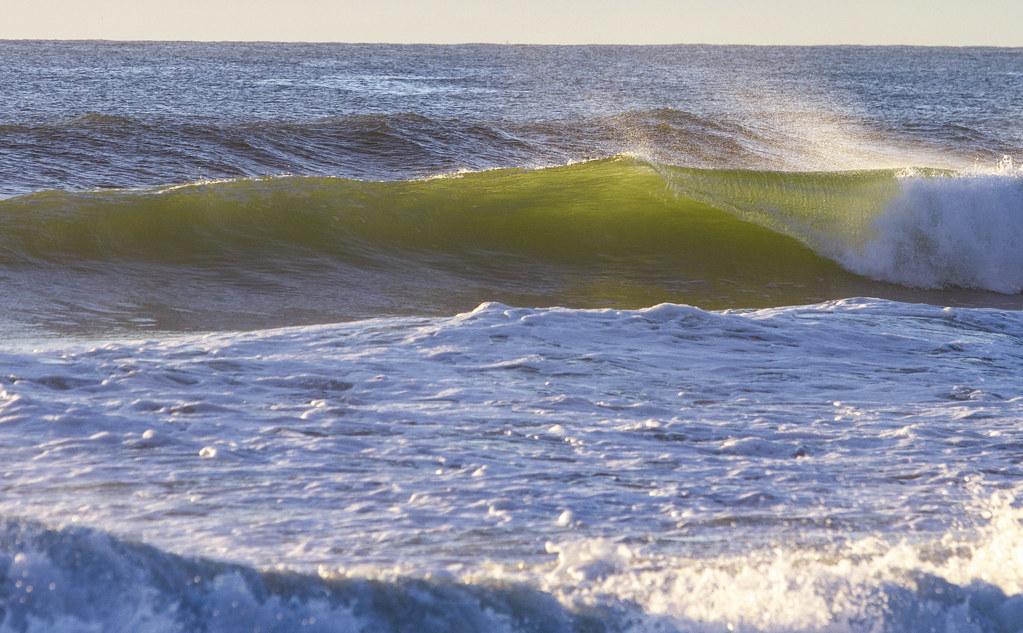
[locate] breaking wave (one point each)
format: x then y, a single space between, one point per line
613 232
76 579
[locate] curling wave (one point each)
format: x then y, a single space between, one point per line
618 232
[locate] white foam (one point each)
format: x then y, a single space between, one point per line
828 476
964 231
963 581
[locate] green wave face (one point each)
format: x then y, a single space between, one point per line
618 233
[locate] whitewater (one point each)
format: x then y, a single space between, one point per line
493 338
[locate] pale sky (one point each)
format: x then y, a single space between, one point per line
929 22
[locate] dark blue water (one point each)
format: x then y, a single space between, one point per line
81 115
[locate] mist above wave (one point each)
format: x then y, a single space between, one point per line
97 150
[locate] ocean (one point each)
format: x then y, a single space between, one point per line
590 339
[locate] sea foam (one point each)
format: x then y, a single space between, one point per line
961 231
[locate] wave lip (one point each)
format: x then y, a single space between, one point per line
917 228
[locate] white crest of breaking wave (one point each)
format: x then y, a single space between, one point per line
964 231
962 582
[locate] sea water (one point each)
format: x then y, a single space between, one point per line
486 338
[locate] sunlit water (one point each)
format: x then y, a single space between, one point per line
327 403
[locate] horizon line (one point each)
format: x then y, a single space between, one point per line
104 40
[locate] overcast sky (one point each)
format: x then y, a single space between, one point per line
938 22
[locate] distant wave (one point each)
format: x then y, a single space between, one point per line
98 150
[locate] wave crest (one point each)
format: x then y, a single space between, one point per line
964 231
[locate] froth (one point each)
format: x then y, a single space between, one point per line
949 231
964 581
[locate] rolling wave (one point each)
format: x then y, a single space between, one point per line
76 579
83 580
618 232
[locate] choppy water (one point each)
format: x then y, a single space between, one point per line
481 338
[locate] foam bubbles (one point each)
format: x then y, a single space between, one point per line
961 581
964 231
543 465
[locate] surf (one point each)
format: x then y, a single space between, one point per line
956 583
